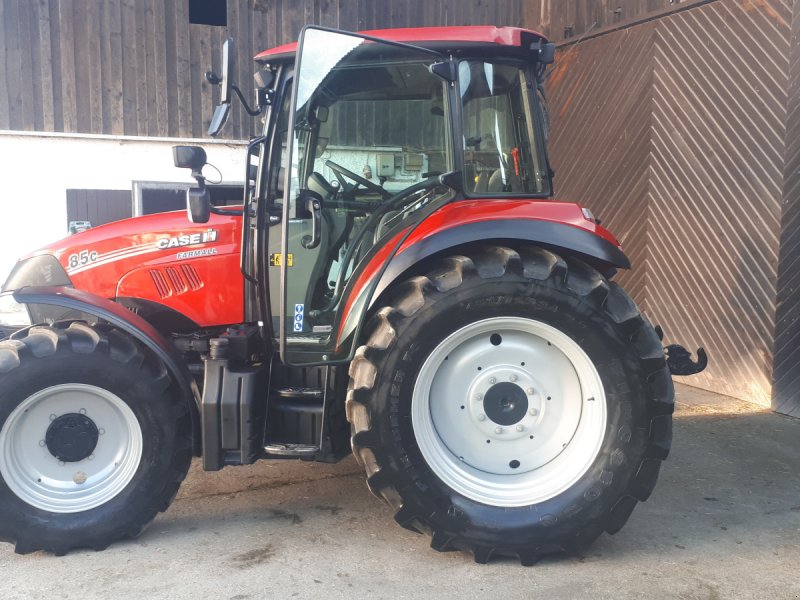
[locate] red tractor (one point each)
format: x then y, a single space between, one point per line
397 279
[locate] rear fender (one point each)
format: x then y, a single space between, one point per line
132 324
559 237
566 238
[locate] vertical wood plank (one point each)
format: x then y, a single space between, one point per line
27 72
183 67
70 80
194 75
47 65
130 72
116 106
150 81
159 63
170 62
13 62
237 25
91 41
142 71
5 116
37 60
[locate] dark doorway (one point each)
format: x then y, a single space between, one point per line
98 206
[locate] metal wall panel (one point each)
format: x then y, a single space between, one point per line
600 140
136 67
786 366
675 131
720 74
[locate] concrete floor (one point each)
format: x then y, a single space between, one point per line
724 522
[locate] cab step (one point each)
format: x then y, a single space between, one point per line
305 393
291 450
294 422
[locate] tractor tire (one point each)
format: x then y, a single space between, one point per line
94 438
510 403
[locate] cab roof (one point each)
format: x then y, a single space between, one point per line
475 37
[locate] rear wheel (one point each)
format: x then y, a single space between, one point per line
511 403
94 438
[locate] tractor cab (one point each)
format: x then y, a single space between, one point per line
364 138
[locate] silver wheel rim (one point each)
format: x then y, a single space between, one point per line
462 417
38 478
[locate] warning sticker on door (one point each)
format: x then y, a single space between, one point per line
298 317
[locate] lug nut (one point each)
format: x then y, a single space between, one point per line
61 463
481 417
53 417
529 391
533 412
498 430
520 428
101 431
42 443
82 411
512 378
478 396
492 380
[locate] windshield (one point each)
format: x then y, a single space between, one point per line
503 150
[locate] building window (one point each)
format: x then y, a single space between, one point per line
150 197
209 12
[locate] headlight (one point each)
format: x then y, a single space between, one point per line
12 313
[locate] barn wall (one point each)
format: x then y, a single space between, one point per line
600 141
136 67
674 132
786 370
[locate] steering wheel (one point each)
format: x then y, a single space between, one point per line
341 173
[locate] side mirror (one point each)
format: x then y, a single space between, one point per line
228 65
198 200
226 87
198 204
547 53
189 157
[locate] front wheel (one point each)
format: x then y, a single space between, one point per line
511 403
94 438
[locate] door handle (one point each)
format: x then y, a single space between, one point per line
314 206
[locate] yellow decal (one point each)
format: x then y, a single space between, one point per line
276 260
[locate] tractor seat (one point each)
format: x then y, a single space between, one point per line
317 183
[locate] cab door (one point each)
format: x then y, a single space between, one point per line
367 139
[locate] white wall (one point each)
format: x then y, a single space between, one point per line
36 170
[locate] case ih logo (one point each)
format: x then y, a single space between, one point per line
188 239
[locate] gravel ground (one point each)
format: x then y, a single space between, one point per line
723 523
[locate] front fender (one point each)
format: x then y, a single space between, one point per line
123 319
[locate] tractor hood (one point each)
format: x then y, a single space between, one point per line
156 258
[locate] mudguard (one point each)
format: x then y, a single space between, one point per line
560 237
562 227
122 318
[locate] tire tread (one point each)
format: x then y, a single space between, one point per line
533 263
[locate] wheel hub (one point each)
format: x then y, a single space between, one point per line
72 437
506 404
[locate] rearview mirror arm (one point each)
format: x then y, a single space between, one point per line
250 111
